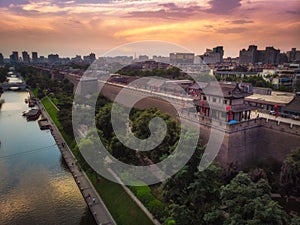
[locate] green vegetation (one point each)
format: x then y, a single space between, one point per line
3 73
35 92
290 174
144 194
118 202
248 202
51 110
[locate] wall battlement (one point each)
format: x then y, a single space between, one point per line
266 123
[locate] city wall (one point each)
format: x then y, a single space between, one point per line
243 142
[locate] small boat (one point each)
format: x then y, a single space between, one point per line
31 103
33 114
25 112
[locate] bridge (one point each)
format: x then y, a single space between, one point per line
14 86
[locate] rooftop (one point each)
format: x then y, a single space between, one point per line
276 97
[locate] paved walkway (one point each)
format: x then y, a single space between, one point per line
91 196
279 118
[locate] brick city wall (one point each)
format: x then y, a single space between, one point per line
243 142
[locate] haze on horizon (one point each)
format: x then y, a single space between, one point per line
70 27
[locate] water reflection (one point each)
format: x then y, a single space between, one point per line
35 184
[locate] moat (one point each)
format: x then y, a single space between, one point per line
35 184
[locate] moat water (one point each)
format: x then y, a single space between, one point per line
36 188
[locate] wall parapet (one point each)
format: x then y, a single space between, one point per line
267 123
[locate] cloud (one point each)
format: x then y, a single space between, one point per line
223 6
167 11
294 12
233 30
6 3
240 21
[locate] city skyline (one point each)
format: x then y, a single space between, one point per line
80 27
134 55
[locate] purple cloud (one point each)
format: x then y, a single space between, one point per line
223 6
169 11
294 12
240 21
234 30
13 2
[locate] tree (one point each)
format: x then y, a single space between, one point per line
181 214
247 202
103 121
290 174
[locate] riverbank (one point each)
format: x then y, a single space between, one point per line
91 196
122 207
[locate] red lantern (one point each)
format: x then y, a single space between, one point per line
230 116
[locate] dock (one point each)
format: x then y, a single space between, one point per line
44 124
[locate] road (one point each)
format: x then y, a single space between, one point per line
279 118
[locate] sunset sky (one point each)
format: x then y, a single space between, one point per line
84 26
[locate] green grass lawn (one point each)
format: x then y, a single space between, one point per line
35 92
52 111
123 209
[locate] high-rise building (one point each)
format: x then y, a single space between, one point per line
1 59
220 50
143 58
92 57
14 57
293 55
182 58
248 56
34 56
89 58
271 55
252 56
76 59
53 58
213 56
25 56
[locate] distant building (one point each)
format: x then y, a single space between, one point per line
143 58
89 58
77 59
34 56
230 60
25 56
213 56
182 58
248 56
269 56
253 56
1 59
53 58
123 60
293 55
162 59
283 58
14 57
